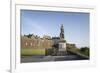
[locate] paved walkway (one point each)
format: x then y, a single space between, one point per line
50 58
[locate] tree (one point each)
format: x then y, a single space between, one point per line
49 52
55 50
85 50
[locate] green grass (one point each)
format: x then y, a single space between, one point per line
32 51
76 50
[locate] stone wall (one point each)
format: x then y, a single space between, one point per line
35 43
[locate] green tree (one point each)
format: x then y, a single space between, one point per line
85 50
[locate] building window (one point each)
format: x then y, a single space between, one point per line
31 44
26 43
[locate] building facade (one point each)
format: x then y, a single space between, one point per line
34 41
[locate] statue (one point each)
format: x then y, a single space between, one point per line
62 32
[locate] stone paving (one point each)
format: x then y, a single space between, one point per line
50 58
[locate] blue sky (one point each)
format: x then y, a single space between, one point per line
76 25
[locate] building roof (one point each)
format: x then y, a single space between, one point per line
55 37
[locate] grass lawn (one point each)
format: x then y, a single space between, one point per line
32 51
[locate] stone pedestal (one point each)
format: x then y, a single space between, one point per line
62 47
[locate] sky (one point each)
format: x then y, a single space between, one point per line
76 25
